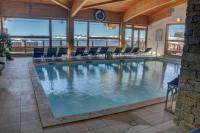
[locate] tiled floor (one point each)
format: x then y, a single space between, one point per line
19 114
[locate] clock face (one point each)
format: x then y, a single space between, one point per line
100 15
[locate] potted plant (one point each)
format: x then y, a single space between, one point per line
5 48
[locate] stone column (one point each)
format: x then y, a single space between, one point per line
188 101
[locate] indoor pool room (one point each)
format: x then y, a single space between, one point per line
99 66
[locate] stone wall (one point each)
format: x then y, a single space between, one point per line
188 102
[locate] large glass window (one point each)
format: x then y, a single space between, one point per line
27 34
175 39
128 35
104 30
142 39
26 27
104 34
135 36
80 33
59 33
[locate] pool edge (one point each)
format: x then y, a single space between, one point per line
47 118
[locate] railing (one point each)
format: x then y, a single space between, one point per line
96 42
26 46
175 48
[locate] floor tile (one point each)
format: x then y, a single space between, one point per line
77 128
95 124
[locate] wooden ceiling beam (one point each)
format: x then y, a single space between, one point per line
60 4
101 4
76 6
144 6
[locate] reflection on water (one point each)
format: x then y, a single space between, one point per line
79 88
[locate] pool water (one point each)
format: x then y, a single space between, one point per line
81 88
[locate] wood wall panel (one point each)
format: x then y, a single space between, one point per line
89 15
21 9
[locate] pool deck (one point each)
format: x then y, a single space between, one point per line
19 112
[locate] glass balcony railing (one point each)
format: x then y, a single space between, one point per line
96 42
26 45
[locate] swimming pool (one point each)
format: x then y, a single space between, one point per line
77 88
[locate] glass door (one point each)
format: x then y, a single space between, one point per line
136 38
142 39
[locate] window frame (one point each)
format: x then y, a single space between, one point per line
166 52
90 38
87 32
139 28
49 37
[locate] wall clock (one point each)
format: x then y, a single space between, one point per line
99 15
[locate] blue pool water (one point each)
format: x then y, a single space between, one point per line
81 88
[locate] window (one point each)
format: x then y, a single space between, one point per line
175 39
59 32
80 33
27 34
128 35
104 34
142 38
135 36
104 30
26 27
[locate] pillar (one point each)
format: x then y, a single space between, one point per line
187 115
122 35
70 35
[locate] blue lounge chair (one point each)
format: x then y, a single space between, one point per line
92 51
147 50
79 51
51 52
128 50
135 50
117 51
62 51
38 52
103 50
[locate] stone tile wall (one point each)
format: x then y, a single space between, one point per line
188 102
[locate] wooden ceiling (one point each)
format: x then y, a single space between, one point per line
130 8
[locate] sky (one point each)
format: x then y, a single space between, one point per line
40 27
24 27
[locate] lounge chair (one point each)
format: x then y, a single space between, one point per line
51 52
103 50
135 50
62 51
38 52
79 51
147 50
128 50
172 89
92 51
117 51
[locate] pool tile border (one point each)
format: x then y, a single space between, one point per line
46 115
